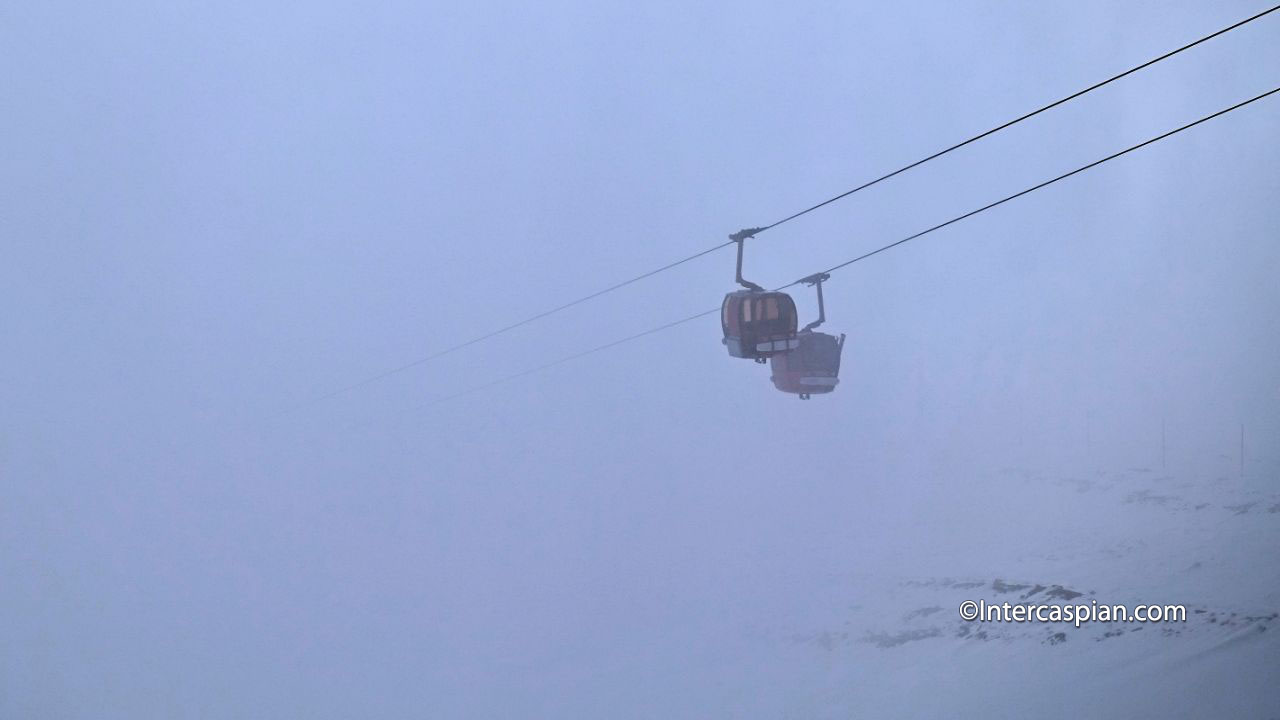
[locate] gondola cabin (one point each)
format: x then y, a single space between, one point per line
758 324
812 368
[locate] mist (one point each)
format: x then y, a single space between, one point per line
215 216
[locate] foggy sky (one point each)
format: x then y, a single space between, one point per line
211 212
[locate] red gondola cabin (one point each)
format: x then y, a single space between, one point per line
811 369
758 324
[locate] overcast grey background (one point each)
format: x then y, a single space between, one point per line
212 211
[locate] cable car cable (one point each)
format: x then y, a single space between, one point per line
939 226
441 353
559 361
533 318
1017 120
1033 188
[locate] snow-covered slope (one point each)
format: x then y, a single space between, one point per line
896 647
864 642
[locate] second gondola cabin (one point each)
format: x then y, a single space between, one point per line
758 324
811 369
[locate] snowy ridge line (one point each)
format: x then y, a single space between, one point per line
935 617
